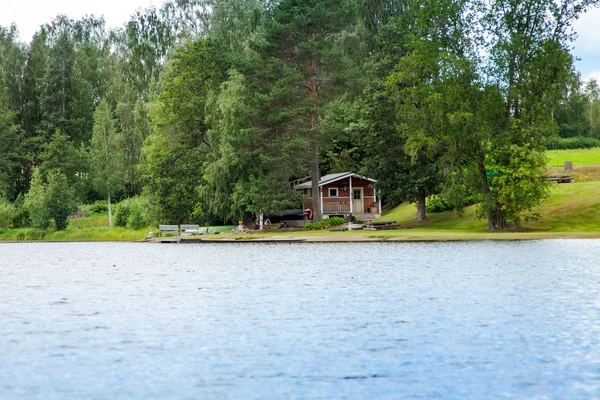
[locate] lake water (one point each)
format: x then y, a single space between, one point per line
300 321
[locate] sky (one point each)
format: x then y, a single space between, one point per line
30 14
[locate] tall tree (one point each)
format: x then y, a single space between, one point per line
175 150
57 89
107 168
11 154
312 39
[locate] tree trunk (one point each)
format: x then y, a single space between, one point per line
316 177
261 223
485 189
109 212
421 202
495 218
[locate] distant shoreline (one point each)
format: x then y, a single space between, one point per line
407 235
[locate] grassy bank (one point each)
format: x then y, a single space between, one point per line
93 228
573 207
573 210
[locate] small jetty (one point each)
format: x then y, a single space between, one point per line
187 233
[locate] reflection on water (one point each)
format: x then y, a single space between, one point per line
322 321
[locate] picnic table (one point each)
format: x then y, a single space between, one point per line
560 178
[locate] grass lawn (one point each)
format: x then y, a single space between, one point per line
92 228
572 207
556 158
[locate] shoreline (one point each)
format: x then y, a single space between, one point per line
344 237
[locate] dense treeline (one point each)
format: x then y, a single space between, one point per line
207 111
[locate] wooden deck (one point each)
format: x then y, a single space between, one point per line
168 234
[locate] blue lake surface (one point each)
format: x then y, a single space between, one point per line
300 321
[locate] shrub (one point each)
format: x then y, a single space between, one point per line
437 204
7 214
132 213
98 207
326 223
49 202
21 218
571 143
35 202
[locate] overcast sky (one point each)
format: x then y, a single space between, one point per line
30 14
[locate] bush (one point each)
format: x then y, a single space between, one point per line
437 204
326 223
98 207
132 213
8 213
571 143
50 202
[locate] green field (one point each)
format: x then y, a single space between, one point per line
573 207
556 158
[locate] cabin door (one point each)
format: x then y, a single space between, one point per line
358 205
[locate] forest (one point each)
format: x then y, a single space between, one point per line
208 111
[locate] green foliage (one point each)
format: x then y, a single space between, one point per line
519 185
571 143
106 153
11 152
7 214
133 213
60 154
97 207
50 202
60 199
35 203
438 203
175 152
324 224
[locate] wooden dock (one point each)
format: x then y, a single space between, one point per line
168 234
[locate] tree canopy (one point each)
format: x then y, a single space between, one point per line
211 109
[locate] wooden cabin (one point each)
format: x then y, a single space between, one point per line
343 194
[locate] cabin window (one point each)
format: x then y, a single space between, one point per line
333 192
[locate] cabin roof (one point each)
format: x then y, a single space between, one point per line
330 178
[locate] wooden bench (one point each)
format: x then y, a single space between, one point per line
168 234
191 230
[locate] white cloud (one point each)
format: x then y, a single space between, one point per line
592 75
588 32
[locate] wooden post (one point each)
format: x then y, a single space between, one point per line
321 196
568 165
351 197
374 196
380 210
